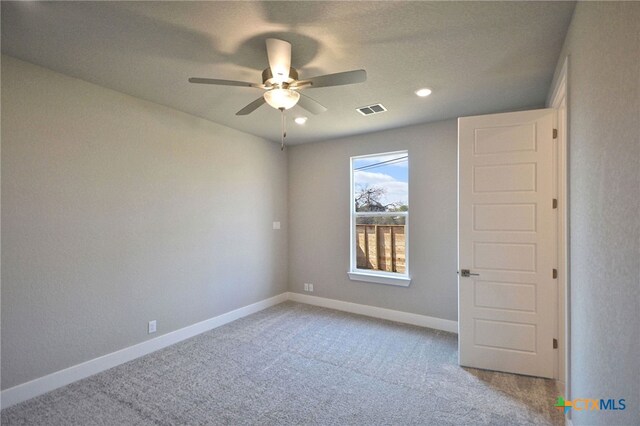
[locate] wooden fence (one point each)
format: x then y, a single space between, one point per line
381 247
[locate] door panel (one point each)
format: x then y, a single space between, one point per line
505 335
506 235
501 295
504 178
504 217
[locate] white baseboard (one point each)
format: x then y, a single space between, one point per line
28 390
52 381
373 311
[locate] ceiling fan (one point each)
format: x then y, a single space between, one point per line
281 84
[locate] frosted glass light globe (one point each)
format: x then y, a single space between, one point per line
281 98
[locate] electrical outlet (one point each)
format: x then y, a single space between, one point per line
311 287
152 326
276 225
306 287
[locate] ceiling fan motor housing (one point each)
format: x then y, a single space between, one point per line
267 76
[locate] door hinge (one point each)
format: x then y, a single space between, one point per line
555 273
555 343
554 203
555 133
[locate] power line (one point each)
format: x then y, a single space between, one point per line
371 166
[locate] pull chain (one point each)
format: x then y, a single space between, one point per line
284 130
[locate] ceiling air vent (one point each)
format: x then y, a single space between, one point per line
371 109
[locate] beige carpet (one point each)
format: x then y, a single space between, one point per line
295 364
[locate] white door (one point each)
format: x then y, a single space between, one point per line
506 240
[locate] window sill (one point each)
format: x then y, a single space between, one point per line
379 279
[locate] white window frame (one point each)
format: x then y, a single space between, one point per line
368 275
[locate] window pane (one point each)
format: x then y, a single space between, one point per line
381 183
380 243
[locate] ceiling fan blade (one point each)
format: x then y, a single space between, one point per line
279 55
221 82
311 105
252 106
337 79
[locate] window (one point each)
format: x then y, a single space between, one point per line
379 218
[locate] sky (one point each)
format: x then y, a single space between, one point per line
392 176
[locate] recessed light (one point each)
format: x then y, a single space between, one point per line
423 92
300 120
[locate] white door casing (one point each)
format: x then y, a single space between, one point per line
507 235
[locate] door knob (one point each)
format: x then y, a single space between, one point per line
466 273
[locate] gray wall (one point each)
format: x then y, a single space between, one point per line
319 203
116 211
603 45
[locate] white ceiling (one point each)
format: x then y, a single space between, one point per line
479 57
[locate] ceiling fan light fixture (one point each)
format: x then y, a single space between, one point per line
281 98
